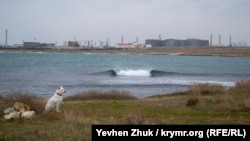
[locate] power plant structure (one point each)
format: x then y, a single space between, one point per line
190 42
177 43
6 37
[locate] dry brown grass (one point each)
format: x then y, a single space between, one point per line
36 103
239 95
132 118
206 89
241 87
216 97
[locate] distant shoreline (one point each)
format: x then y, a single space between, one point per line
192 51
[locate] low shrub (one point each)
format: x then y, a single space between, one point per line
36 103
241 87
216 97
206 89
192 102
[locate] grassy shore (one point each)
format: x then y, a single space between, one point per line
200 104
195 51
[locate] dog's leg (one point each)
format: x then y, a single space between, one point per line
58 107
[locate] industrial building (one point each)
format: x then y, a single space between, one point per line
73 44
177 43
37 44
129 45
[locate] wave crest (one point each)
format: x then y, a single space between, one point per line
130 72
133 73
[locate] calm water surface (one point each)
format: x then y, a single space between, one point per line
142 75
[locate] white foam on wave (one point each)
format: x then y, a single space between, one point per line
133 73
184 82
222 83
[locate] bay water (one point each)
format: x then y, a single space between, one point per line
142 75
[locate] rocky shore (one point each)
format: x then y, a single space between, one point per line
194 51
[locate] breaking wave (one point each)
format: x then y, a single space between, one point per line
133 73
138 72
152 73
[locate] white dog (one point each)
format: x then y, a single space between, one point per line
55 101
20 114
12 113
28 114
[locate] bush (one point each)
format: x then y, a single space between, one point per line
206 89
35 102
241 87
192 102
213 96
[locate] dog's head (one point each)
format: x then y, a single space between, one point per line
61 90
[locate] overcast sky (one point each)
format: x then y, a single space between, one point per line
57 21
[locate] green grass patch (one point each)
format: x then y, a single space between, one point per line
216 106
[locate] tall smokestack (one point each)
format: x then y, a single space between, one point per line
230 40
107 43
211 40
219 39
137 39
6 37
122 39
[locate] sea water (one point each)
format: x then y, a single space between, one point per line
141 75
